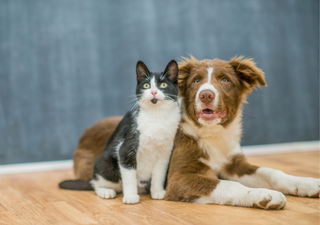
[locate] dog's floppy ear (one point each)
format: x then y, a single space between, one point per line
184 72
141 70
249 75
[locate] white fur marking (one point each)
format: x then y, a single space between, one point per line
210 71
159 173
153 85
278 180
233 193
130 189
104 188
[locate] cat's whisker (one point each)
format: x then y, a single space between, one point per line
147 77
162 77
132 100
134 106
170 94
167 96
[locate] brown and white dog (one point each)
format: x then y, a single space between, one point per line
90 146
207 143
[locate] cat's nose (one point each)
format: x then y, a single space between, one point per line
154 93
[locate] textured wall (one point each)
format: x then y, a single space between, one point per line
65 64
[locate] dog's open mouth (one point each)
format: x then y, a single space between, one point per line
209 114
207 111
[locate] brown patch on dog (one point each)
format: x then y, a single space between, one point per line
275 206
315 195
255 206
186 178
264 203
241 74
91 144
238 165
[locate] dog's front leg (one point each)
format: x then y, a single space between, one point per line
202 189
261 177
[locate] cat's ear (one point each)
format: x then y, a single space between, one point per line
172 71
141 70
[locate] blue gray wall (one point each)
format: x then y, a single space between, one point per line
65 64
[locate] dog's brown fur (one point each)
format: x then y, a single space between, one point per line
188 177
91 144
238 165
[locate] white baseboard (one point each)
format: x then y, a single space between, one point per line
281 148
36 167
247 150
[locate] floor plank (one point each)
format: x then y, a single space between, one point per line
35 198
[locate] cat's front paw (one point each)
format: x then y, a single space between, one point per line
131 199
158 194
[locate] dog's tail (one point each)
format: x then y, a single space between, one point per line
78 185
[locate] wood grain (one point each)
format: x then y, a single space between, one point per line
35 198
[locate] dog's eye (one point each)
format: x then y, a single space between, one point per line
224 80
146 85
197 81
163 85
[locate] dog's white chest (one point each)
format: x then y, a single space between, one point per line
219 148
217 158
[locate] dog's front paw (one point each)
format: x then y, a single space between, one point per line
159 194
267 199
131 199
303 186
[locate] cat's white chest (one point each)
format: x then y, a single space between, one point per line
157 127
157 130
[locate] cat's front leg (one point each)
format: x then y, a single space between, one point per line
159 173
129 184
128 170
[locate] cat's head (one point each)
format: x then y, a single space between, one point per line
155 89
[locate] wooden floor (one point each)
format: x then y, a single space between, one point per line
35 198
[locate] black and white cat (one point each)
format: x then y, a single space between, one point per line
137 154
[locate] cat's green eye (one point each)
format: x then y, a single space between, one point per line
146 85
163 85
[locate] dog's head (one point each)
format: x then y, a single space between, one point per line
212 90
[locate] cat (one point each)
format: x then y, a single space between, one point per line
136 157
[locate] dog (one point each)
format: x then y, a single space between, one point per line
207 165
90 146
